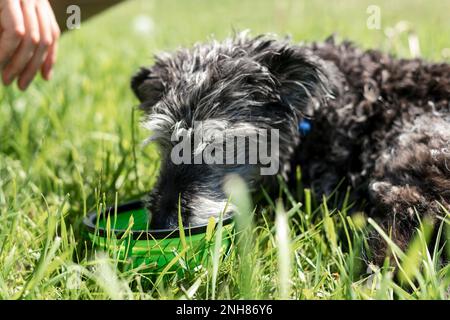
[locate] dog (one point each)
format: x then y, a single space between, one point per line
380 122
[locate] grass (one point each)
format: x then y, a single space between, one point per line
71 144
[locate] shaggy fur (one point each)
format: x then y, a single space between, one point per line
383 123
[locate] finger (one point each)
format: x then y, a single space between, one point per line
13 29
54 23
46 40
27 47
47 67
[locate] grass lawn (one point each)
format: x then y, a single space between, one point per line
68 145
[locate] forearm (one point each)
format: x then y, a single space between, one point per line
88 8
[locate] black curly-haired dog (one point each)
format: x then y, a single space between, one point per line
382 122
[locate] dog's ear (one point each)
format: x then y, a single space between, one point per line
301 75
149 85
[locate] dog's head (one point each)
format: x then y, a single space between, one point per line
196 101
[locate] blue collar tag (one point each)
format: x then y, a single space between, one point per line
304 127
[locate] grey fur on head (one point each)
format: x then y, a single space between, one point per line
381 122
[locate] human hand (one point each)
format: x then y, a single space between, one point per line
28 40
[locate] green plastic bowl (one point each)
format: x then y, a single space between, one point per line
124 233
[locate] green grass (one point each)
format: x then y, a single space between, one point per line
71 144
